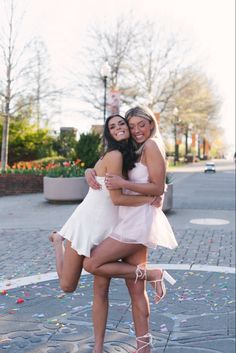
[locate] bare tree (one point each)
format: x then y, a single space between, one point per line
144 63
11 77
7 51
159 60
24 76
40 90
113 44
198 106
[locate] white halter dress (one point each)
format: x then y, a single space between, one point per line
145 224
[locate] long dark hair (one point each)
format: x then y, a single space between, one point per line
126 147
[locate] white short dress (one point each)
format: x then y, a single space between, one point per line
91 221
145 224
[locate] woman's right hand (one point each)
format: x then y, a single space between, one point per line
90 176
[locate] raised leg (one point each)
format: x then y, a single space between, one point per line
69 263
104 262
104 259
58 243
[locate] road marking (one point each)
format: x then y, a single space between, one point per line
209 221
44 277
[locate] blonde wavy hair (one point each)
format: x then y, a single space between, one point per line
146 113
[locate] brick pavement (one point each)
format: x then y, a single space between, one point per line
33 252
197 315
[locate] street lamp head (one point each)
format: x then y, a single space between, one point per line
105 69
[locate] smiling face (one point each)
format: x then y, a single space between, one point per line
140 128
118 129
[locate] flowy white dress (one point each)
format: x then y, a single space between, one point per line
91 221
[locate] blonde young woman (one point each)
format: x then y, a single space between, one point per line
93 219
140 227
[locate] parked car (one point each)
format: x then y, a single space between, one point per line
210 167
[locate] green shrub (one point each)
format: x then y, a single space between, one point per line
89 148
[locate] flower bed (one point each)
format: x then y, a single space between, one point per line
64 169
27 177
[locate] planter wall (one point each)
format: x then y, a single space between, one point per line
168 198
75 189
16 184
65 189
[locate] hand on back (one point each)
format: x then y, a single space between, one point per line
113 181
90 176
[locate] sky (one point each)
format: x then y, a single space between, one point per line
209 25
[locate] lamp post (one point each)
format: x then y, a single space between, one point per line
105 72
188 128
176 113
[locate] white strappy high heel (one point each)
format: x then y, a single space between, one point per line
141 273
146 344
165 276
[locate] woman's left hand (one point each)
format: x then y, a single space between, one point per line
157 201
114 181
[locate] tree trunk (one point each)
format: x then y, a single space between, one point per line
204 147
186 141
5 134
199 147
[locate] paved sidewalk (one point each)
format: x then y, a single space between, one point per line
197 315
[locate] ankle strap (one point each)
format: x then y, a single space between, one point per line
141 272
140 340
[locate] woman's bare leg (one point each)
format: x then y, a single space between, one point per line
139 299
58 243
100 311
104 260
69 263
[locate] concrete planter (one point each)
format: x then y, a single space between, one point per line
168 198
76 188
65 189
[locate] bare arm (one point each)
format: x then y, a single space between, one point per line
114 166
156 169
90 176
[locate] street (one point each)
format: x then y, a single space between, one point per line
198 313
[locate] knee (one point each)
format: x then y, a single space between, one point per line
101 292
67 287
89 265
136 289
